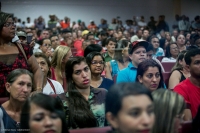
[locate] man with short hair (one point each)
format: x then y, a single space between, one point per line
110 45
29 24
137 36
91 38
54 41
44 34
145 34
158 51
190 87
67 38
137 54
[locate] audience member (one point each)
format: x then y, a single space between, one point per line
158 51
150 75
121 60
133 111
22 37
181 42
171 54
67 38
137 36
96 63
29 24
84 105
50 86
54 41
42 113
85 43
169 111
58 62
110 45
19 85
15 55
179 72
189 88
137 54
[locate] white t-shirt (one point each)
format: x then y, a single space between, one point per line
171 59
29 25
49 90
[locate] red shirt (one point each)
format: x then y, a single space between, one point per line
191 94
78 45
64 25
80 53
63 43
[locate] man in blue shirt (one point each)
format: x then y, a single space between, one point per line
137 54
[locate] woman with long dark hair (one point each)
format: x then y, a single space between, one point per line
84 106
171 53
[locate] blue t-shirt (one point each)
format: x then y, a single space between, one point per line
106 83
115 67
10 125
127 74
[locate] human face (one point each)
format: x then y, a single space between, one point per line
181 40
138 55
197 42
45 34
55 42
111 46
91 39
97 65
46 44
43 65
150 54
175 33
44 121
145 34
85 44
195 66
155 43
188 36
150 78
136 115
81 76
174 50
120 34
8 30
168 37
125 52
21 88
67 56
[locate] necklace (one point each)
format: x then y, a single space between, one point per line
4 46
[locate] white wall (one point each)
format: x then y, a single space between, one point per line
93 9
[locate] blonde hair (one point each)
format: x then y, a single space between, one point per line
167 106
58 55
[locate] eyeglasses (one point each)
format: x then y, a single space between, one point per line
9 24
96 62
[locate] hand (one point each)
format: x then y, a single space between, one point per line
32 44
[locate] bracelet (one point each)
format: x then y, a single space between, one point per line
38 89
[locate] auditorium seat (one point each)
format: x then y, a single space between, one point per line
168 66
166 76
160 58
74 51
91 130
186 127
3 100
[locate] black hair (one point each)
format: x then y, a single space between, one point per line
89 34
79 108
150 47
144 66
92 48
90 57
46 102
162 43
118 92
110 39
167 53
152 37
189 54
53 36
40 42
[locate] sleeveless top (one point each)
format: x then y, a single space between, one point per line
182 76
10 126
115 67
19 62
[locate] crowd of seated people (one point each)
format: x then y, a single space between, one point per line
60 77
